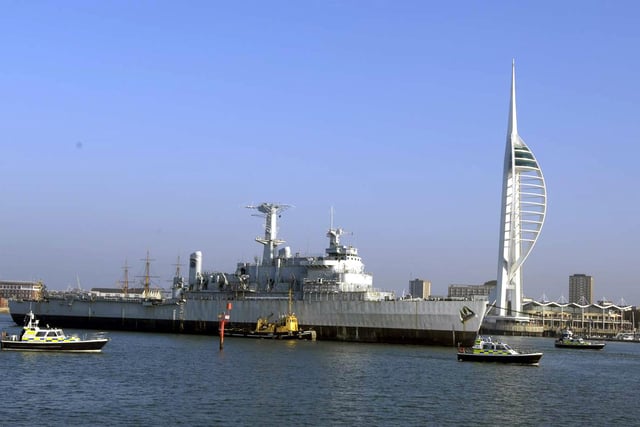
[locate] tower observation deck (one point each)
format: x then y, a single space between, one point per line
523 210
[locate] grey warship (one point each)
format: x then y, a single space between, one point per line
331 294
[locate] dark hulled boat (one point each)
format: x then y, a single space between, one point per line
568 340
486 350
35 338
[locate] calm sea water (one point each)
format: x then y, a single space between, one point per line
162 379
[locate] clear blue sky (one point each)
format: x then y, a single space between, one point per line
148 125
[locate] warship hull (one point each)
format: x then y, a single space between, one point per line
425 322
331 294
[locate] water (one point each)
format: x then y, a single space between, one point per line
162 379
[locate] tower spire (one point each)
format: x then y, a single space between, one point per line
513 121
523 210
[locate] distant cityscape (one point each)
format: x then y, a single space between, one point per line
581 312
581 290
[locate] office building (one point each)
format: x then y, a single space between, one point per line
581 289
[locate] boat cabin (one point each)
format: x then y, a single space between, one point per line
33 332
486 345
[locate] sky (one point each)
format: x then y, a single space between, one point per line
129 128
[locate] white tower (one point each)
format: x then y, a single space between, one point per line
524 205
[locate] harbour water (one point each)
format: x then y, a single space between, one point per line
163 379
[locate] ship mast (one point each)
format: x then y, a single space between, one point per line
271 212
290 301
177 265
147 275
147 280
334 237
177 279
125 282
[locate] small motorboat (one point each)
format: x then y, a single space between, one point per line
36 338
486 350
568 340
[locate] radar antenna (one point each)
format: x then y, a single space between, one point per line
334 233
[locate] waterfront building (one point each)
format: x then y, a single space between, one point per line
523 210
580 288
467 291
603 318
19 290
419 288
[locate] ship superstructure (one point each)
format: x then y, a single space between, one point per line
339 271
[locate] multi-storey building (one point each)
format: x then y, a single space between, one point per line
581 289
19 290
419 288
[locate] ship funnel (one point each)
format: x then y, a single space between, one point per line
195 269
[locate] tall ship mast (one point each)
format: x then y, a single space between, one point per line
125 281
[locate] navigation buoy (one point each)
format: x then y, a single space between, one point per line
223 317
